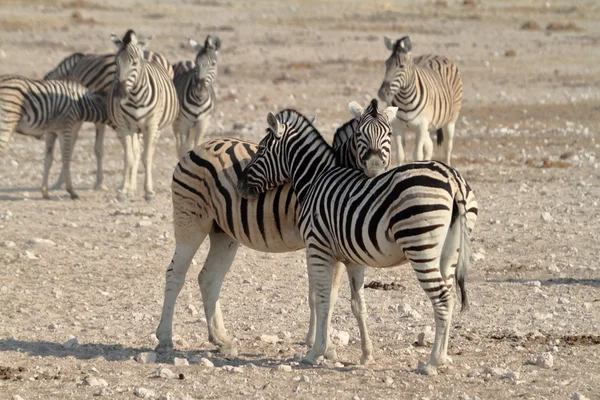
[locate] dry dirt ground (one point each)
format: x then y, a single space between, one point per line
534 281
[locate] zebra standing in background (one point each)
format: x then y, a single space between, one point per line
428 93
207 203
97 73
55 108
193 82
419 213
142 101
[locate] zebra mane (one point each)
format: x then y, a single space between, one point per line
127 37
296 119
372 108
344 133
403 45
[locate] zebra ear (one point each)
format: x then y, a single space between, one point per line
388 43
356 109
312 119
195 45
145 42
213 41
275 125
116 40
390 113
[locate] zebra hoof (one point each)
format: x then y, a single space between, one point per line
165 347
367 360
45 194
74 196
331 353
150 196
228 350
311 359
426 369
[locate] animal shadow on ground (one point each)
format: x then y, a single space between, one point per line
594 282
6 193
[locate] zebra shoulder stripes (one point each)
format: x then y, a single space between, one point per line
416 213
97 73
142 100
207 203
194 85
428 92
51 107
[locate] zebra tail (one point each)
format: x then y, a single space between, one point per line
440 137
464 257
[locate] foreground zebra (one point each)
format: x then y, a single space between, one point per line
428 93
422 213
141 101
193 82
97 73
207 203
54 108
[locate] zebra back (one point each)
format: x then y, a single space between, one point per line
63 69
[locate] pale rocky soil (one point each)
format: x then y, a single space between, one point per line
534 282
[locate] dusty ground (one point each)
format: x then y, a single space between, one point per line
102 282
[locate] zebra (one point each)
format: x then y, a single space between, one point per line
97 73
51 107
141 101
428 92
207 203
194 85
421 213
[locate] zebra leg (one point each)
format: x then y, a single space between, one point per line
127 142
448 131
61 178
220 257
99 151
181 130
135 141
175 278
320 269
67 143
200 130
48 160
399 132
424 144
356 278
149 146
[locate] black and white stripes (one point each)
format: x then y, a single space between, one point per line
416 213
428 93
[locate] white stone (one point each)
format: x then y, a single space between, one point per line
268 338
304 379
511 376
144 393
40 242
165 373
546 217
206 362
404 308
545 360
180 362
16 397
29 255
284 368
192 310
426 337
146 358
578 396
342 337
477 256
494 371
9 244
94 382
144 223
389 381
536 284
414 314
71 343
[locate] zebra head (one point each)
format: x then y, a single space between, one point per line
128 61
268 167
207 58
372 139
398 67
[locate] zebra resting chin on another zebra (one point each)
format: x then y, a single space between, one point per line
97 73
194 84
428 92
141 101
206 203
421 212
50 107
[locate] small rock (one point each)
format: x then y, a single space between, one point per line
144 223
94 382
16 397
144 393
181 343
342 337
578 396
389 381
476 257
304 379
165 373
284 368
563 300
146 358
494 371
404 308
268 338
192 310
426 337
545 360
511 376
9 244
535 284
39 242
546 217
30 256
206 362
413 314
180 362
53 327
71 343
510 53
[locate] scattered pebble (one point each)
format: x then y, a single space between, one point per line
144 223
536 284
389 381
94 382
578 396
284 368
144 393
9 244
146 358
342 337
545 360
192 310
546 217
39 242
511 376
165 373
273 339
494 371
16 397
180 362
71 343
426 337
206 362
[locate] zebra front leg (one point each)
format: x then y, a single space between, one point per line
67 143
356 278
320 269
127 142
135 142
220 257
399 133
200 130
99 151
448 131
149 146
175 278
48 160
180 130
424 144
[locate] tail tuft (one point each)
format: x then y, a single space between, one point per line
462 267
440 137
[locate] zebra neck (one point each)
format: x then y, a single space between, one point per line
309 156
141 85
407 92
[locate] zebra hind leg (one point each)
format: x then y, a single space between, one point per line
448 131
356 278
48 160
127 143
185 249
399 135
67 143
99 152
149 145
220 257
200 131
